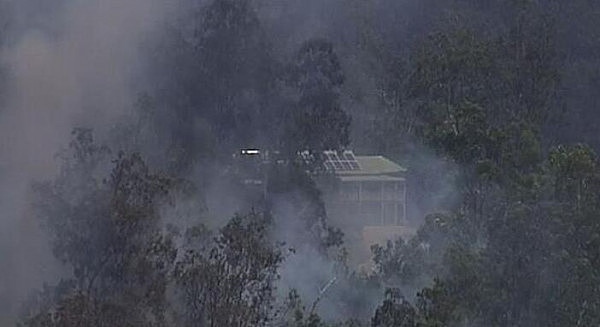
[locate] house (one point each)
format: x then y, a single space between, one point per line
366 196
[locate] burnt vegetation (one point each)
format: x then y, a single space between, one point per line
503 94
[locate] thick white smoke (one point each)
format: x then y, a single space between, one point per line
69 63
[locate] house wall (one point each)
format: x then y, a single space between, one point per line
368 212
369 203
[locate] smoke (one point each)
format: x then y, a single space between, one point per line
70 63
66 63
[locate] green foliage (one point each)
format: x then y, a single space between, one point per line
125 266
230 281
107 231
317 122
481 89
527 262
394 312
235 69
451 68
217 82
436 305
302 193
296 315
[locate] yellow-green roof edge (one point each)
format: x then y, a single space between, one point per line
375 165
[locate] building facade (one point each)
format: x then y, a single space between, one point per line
366 196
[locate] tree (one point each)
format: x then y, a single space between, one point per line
316 122
230 282
394 312
436 305
292 186
218 85
236 63
573 185
107 230
294 314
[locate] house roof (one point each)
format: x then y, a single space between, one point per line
370 178
347 164
377 165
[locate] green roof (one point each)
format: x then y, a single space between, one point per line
375 165
371 178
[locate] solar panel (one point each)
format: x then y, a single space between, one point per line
346 165
345 161
349 156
